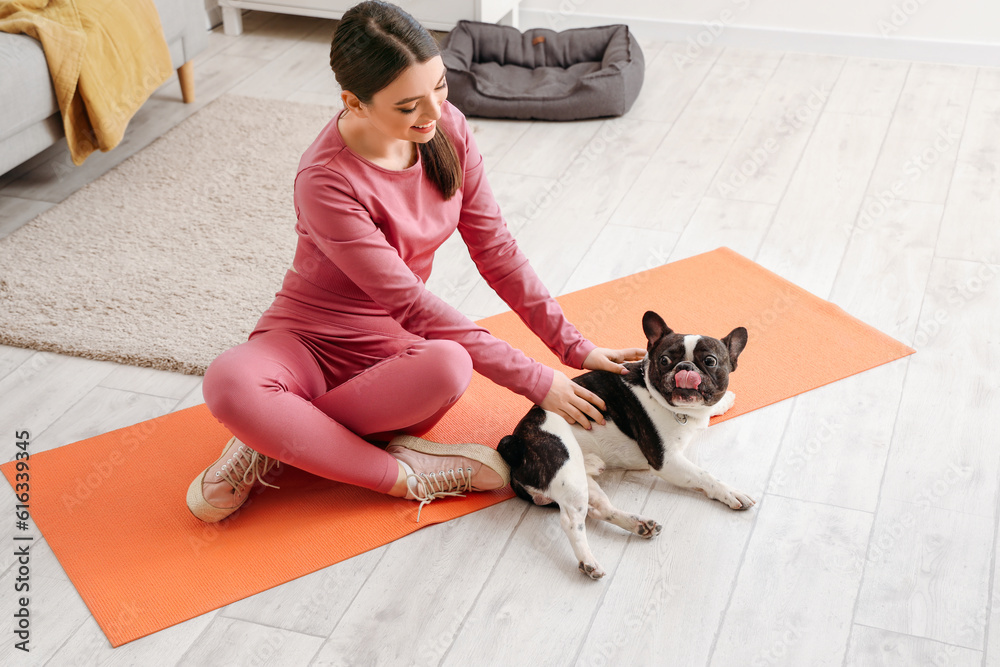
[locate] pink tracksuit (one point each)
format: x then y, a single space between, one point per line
354 345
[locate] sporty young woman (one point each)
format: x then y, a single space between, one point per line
355 350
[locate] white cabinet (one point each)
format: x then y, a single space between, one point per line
433 14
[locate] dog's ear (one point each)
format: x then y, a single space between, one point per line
655 328
735 342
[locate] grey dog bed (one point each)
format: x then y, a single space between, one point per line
497 71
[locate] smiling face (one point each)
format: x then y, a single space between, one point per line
689 371
409 107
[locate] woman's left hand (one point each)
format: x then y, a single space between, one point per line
603 359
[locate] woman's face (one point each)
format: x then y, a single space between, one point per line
410 106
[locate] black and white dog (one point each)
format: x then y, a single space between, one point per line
652 414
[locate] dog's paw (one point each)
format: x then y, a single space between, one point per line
726 403
593 464
648 528
738 501
592 570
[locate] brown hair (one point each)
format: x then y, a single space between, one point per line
372 45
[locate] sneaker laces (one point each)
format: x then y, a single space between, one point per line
254 466
431 486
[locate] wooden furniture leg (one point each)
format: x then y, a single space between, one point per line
185 74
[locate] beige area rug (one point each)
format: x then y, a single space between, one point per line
171 257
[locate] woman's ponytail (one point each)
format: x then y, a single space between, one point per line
441 163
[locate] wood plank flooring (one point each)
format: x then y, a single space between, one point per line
875 184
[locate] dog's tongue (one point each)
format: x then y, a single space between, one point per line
687 380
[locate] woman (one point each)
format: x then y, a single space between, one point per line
354 346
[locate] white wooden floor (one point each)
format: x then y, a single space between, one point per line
874 184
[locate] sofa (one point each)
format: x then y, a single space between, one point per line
29 113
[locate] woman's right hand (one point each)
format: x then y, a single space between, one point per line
573 402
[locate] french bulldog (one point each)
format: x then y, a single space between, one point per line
651 416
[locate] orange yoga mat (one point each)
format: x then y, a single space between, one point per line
114 514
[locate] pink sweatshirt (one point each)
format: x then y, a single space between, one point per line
367 233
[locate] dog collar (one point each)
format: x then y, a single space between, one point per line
681 418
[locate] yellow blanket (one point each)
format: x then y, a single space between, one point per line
105 57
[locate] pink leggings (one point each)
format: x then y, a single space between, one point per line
273 393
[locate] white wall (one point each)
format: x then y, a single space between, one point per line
966 31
